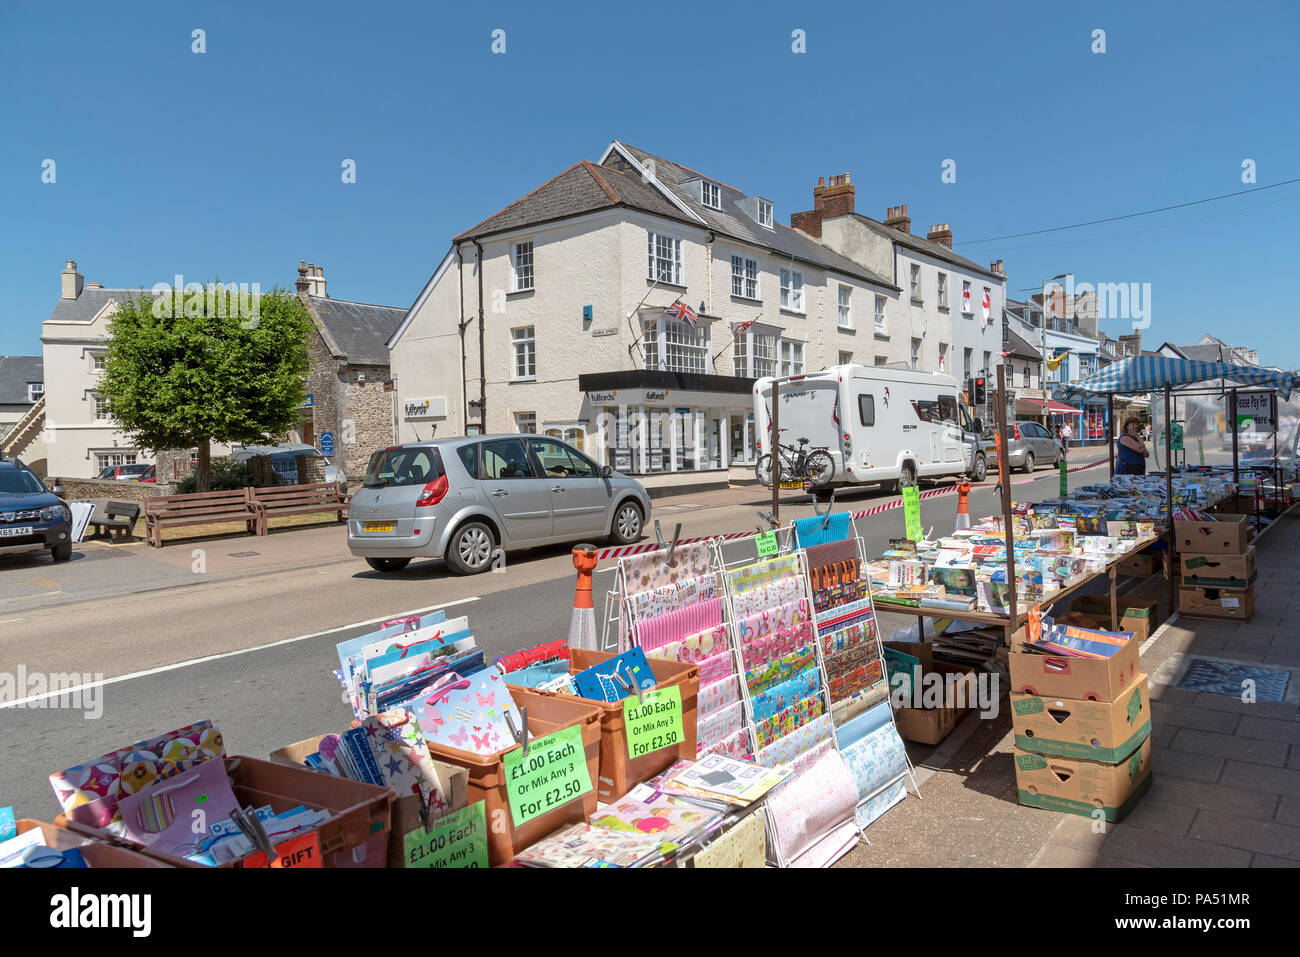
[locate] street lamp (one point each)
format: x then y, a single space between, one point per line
1042 334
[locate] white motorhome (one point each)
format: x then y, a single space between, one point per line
891 426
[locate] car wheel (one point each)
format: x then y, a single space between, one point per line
981 470
627 523
61 553
1029 462
388 564
470 550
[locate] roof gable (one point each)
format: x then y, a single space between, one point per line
356 331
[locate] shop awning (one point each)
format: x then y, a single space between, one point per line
1052 406
1139 374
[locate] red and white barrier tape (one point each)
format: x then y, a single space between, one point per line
623 551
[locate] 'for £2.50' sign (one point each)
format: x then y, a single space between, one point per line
654 722
553 773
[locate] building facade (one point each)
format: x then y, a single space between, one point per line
22 391
553 316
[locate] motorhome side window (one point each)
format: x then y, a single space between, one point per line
926 410
867 409
948 409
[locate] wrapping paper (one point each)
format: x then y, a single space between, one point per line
844 710
519 660
675 625
786 695
764 572
717 667
874 754
765 676
711 730
832 553
402 756
761 651
779 725
813 815
771 620
859 679
744 845
796 743
717 696
809 531
735 745
666 598
105 780
651 570
844 662
858 633
581 845
693 648
768 596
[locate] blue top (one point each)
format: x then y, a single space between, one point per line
1128 457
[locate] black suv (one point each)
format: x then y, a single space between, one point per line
32 518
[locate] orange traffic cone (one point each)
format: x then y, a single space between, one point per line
582 628
963 510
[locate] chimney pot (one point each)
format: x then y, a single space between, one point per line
70 281
821 181
846 179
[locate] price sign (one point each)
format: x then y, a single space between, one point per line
1065 479
458 839
554 773
912 512
767 545
654 722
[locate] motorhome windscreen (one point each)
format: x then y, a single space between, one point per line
943 410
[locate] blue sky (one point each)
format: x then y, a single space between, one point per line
228 163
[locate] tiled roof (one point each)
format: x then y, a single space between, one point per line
930 248
92 299
582 188
733 221
357 331
15 374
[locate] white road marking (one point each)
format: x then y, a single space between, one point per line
9 620
230 654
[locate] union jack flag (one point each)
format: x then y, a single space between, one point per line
745 325
679 310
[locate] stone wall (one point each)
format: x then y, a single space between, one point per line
81 489
367 423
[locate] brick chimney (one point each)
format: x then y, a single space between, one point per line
72 281
897 218
941 234
302 285
829 202
315 280
996 266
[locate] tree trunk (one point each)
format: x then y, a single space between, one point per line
203 470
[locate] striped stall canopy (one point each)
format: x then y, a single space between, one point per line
1138 374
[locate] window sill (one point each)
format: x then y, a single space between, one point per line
849 329
526 378
738 298
663 282
944 309
882 337
801 313
521 292
918 302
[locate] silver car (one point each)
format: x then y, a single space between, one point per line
466 499
1029 444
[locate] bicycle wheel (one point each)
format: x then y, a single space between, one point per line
820 467
763 470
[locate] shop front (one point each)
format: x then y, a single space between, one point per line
647 422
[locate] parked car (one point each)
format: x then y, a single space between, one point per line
1029 445
139 472
462 499
32 517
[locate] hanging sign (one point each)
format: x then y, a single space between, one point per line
458 839
654 722
766 542
1254 412
554 773
912 512
1065 479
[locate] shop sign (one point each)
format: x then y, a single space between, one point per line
656 396
434 408
597 397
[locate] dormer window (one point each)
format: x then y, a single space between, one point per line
765 213
710 194
35 390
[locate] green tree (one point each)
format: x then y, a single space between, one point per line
186 367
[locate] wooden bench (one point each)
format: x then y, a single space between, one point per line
299 500
117 518
202 508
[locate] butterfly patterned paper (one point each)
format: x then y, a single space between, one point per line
468 713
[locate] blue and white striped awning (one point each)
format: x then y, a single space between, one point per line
1138 374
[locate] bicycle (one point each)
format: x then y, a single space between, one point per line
797 465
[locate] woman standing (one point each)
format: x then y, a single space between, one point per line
1133 452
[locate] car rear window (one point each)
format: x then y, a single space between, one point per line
469 458
403 466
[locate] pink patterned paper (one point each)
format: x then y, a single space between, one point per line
717 696
768 596
812 816
725 723
651 570
675 625
771 620
760 652
734 746
693 648
717 668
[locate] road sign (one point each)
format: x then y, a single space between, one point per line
327 443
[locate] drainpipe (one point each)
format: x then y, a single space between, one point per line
482 360
460 326
708 260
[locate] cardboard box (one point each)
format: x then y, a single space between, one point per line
1105 731
1236 604
1218 571
1142 565
1083 787
94 852
1227 536
1067 676
930 725
1141 616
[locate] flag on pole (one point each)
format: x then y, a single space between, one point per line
745 325
679 310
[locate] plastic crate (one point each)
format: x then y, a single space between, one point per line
95 852
487 776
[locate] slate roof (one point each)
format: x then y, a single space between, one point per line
929 248
734 222
582 188
15 373
356 331
92 299
1021 347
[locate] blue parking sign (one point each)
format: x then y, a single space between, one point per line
327 443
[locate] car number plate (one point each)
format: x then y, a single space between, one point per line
792 485
379 526
15 532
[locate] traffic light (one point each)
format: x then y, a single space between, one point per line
979 396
